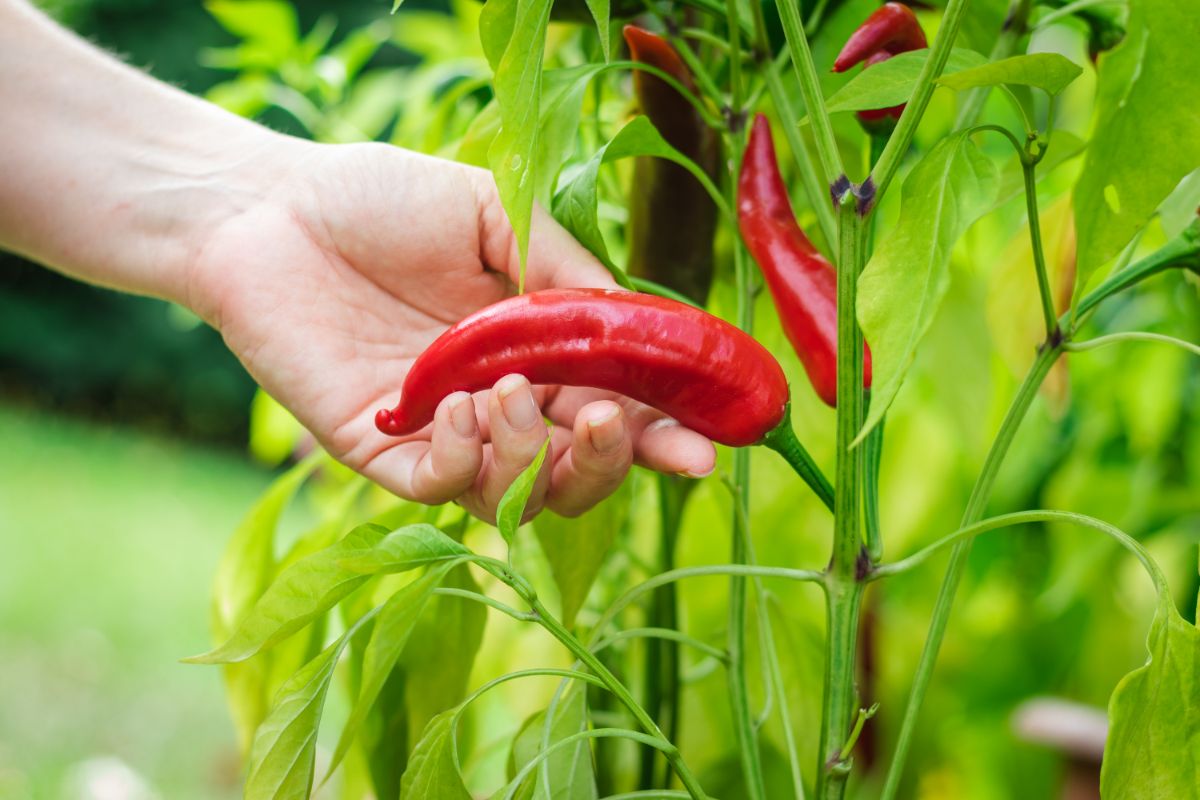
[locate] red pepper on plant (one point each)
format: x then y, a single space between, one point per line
802 282
672 220
892 29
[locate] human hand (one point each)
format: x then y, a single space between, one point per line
331 285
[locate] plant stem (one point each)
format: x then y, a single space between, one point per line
1183 250
588 659
1028 168
818 195
810 88
906 128
845 578
958 558
783 441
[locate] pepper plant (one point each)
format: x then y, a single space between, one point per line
640 158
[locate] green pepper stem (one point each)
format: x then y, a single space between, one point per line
782 439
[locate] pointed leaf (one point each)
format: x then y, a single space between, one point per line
403 549
904 283
1147 132
511 507
1154 717
300 594
891 82
1049 72
433 772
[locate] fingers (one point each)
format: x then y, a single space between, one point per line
599 457
555 259
517 432
438 470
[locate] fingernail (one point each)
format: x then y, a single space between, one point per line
462 415
517 402
665 422
605 432
697 475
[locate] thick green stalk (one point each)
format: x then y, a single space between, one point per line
906 128
847 570
958 558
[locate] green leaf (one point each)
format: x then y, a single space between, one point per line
1147 132
432 772
301 593
891 82
600 13
282 759
441 653
268 25
513 34
1154 717
567 773
1049 72
1179 209
905 281
395 623
511 507
405 548
575 205
576 548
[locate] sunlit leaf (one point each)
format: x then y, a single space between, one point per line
1154 717
405 548
511 508
904 283
891 82
393 625
282 759
301 593
432 772
600 13
1049 72
1147 131
268 25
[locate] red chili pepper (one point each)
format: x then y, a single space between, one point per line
672 220
802 282
892 29
697 368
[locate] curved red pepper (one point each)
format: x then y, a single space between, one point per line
697 368
802 282
892 29
672 220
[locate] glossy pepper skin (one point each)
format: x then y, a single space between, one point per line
892 29
697 368
802 282
672 220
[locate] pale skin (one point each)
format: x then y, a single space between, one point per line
326 268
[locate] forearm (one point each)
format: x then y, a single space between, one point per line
109 175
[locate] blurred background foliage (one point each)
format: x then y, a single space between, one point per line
109 532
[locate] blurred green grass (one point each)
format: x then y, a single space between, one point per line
108 541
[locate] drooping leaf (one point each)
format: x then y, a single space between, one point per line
511 507
576 548
300 594
566 774
403 549
1154 717
393 626
441 653
905 281
282 758
433 772
1147 133
575 205
1049 72
600 13
891 82
513 34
